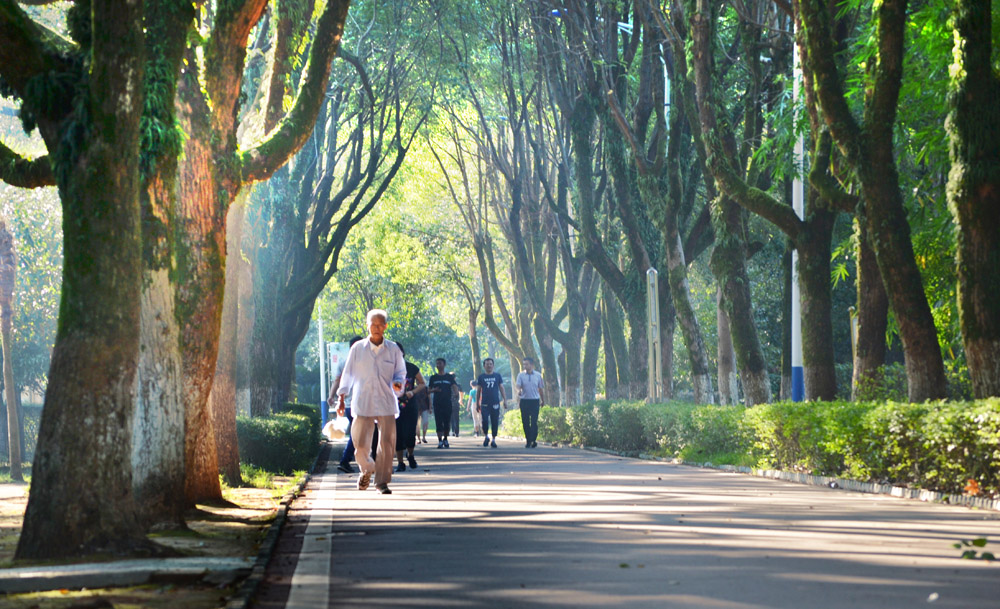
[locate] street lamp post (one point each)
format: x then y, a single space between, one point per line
798 204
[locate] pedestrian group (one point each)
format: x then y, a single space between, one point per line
388 404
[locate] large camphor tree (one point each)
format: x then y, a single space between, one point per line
974 190
868 149
86 98
103 103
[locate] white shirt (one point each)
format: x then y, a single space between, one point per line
530 384
369 372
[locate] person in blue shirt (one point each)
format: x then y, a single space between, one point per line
491 395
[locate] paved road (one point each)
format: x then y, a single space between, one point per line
558 527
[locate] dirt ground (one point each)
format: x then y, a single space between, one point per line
213 531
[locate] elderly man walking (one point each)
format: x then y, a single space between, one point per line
374 374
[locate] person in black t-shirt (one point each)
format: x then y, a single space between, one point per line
442 387
491 395
406 424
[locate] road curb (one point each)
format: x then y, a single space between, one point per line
846 484
248 589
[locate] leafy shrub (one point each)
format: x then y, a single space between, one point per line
585 421
938 445
713 430
280 443
623 427
553 425
664 427
511 425
307 410
889 383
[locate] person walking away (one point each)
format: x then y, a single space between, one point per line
491 395
348 455
424 408
456 406
406 424
477 420
442 387
374 375
531 391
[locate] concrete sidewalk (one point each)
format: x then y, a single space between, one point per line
558 527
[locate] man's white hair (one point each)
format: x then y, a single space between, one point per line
376 313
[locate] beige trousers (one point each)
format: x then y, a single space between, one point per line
361 432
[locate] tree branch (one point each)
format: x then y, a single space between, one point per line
24 53
261 162
25 173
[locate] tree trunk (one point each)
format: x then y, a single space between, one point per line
223 396
158 440
974 192
549 367
592 346
264 358
729 389
813 245
246 314
81 496
611 386
667 324
890 240
8 275
477 361
786 324
729 265
869 149
873 310
201 262
701 378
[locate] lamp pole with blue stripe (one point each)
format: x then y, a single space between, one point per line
798 204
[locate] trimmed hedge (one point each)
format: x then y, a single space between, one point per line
281 443
311 411
935 445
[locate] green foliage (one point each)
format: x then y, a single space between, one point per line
280 443
889 383
310 411
941 445
971 554
552 424
712 431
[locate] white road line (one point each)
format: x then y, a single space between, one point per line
311 581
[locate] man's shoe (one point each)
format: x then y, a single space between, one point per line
363 481
384 489
441 444
413 463
486 442
534 444
446 445
401 467
493 444
527 444
346 468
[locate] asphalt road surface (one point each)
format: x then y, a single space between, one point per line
559 527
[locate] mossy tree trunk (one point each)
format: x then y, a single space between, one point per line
974 191
868 148
873 310
8 276
729 387
158 442
213 170
81 497
811 235
223 395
